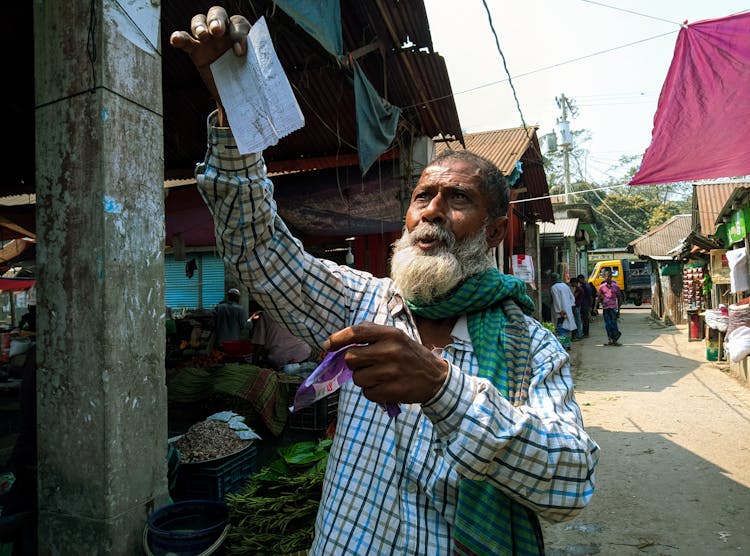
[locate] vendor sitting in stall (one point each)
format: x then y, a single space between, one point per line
230 322
28 320
275 345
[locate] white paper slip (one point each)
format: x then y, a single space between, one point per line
256 94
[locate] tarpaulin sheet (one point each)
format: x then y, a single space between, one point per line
377 120
701 126
321 19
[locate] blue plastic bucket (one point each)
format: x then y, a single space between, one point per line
187 528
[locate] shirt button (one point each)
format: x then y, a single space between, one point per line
411 488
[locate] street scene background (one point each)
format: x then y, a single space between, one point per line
673 427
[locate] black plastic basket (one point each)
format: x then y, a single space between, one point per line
317 416
214 479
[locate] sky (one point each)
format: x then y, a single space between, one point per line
609 57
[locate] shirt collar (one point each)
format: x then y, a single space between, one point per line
460 330
459 333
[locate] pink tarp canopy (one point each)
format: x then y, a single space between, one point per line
702 122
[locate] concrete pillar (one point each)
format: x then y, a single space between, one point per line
101 392
531 248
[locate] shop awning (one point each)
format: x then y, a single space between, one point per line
15 284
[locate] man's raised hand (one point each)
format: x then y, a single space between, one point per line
211 35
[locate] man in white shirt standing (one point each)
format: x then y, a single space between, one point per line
562 309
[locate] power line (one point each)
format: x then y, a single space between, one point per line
632 12
507 72
606 51
607 104
615 224
620 218
538 70
542 197
597 96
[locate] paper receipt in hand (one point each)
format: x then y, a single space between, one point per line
326 379
256 93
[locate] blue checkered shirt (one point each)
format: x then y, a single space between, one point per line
391 485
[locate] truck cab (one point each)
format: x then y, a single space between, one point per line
633 277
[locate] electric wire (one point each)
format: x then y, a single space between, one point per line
578 59
505 65
633 12
614 213
615 224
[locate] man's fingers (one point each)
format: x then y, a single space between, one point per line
362 333
183 41
239 27
217 21
199 27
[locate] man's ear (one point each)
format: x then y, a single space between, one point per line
496 231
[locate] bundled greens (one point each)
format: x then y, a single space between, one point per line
275 512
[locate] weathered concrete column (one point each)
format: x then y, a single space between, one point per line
101 394
531 247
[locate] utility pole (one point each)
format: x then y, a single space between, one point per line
566 137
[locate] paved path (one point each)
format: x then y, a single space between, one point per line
674 429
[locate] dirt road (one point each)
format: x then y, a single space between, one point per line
674 432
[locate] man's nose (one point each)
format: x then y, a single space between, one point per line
435 209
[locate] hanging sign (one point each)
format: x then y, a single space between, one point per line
523 268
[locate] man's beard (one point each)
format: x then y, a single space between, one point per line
426 277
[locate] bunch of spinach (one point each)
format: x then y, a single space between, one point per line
275 512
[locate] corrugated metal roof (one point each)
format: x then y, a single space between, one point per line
15 200
565 226
402 66
740 197
505 147
708 200
414 78
659 241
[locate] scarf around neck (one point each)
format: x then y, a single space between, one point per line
487 521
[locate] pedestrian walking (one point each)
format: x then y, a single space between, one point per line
577 307
610 297
562 309
594 300
587 300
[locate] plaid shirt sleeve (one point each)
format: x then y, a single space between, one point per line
538 452
260 250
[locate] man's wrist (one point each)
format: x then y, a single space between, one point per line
221 117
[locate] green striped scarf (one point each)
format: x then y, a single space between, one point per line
487 521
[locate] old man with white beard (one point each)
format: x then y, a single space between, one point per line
490 437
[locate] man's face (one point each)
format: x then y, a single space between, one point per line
447 233
449 196
608 277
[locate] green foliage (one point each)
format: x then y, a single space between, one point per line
275 512
664 212
550 326
625 218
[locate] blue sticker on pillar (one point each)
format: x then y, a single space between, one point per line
112 205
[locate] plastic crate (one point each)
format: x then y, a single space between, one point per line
316 417
214 479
